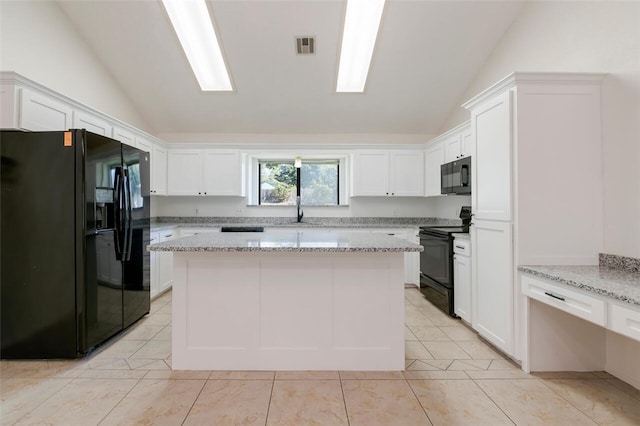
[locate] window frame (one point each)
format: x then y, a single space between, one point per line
253 176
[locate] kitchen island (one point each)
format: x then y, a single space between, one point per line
291 300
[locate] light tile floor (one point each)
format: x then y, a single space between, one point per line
452 377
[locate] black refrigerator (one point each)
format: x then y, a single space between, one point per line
73 234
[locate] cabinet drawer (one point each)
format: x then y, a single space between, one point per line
575 303
462 247
625 321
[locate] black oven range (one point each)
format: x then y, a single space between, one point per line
436 262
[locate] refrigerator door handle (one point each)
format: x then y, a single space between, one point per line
128 214
118 240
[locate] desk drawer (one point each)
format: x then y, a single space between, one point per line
625 321
573 302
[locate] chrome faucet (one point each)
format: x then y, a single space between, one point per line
298 165
300 212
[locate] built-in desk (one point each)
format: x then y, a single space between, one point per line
582 318
291 300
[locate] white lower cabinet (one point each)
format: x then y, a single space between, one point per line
161 263
571 329
492 291
576 303
462 278
625 321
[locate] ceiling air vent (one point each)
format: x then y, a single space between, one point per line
305 45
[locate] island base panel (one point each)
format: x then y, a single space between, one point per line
288 311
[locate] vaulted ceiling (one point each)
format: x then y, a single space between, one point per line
426 54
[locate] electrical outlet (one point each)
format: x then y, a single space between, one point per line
197 211
394 212
238 211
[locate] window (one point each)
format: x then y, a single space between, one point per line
319 182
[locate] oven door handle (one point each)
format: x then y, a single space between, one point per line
433 237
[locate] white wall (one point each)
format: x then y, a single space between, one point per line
586 37
39 42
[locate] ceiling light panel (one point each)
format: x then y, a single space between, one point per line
192 23
362 20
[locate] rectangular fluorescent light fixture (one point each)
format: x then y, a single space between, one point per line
361 24
192 23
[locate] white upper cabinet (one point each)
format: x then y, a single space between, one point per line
433 159
124 136
158 160
452 148
452 145
388 173
184 172
407 173
39 112
158 170
205 172
92 123
8 107
223 173
491 181
144 144
371 173
459 144
466 142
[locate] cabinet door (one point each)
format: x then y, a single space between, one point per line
371 173
467 143
407 174
222 173
158 170
153 266
39 112
462 287
184 173
83 120
124 136
143 144
433 159
491 163
493 288
8 107
452 148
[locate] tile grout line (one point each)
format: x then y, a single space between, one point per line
424 410
204 383
474 381
566 400
120 400
344 400
273 382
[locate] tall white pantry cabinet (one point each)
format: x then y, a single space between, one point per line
536 189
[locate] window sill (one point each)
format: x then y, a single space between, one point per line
304 206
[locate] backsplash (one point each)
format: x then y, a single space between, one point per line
612 261
325 221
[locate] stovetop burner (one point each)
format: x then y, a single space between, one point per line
444 230
465 215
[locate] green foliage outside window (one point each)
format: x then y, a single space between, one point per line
318 181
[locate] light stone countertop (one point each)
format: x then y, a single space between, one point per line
288 241
462 236
614 283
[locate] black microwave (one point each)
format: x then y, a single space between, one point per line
456 177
